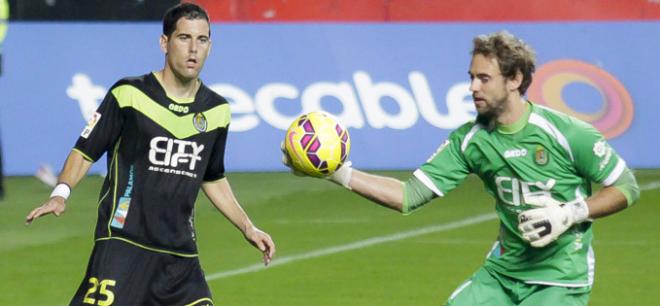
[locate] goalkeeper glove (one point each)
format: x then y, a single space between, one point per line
286 160
341 176
543 225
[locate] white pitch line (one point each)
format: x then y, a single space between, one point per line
649 186
373 241
356 245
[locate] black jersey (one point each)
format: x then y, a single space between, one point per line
160 150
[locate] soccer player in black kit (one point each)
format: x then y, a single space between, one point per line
165 134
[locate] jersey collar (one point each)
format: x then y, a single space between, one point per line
518 125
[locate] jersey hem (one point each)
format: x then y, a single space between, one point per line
213 180
148 248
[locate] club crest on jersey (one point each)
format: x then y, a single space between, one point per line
541 156
199 122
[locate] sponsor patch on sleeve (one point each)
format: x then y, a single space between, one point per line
90 125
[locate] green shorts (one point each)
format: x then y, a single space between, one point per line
486 288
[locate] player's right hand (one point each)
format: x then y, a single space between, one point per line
55 205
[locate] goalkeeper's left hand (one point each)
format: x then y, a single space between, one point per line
543 225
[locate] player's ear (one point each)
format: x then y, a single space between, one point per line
514 83
163 43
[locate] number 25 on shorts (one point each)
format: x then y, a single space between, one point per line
103 288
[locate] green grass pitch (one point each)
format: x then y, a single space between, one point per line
333 247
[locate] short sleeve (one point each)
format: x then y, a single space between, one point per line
446 168
594 158
216 167
102 130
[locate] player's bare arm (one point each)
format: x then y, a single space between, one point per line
75 168
607 201
385 191
221 195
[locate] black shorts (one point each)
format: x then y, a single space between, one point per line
120 273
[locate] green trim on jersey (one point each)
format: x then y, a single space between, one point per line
179 126
85 156
415 195
518 125
627 184
115 181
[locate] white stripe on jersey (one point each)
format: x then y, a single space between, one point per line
422 177
469 136
459 289
591 265
552 130
557 284
616 173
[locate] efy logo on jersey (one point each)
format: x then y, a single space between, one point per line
170 155
541 156
199 122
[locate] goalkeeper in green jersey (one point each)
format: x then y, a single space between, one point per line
538 164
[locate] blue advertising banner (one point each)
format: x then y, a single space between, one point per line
400 88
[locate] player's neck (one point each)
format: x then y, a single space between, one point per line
517 107
177 87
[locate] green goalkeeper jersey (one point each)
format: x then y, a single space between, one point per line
547 153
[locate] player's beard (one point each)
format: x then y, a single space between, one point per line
488 118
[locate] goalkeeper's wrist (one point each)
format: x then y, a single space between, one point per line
343 175
579 209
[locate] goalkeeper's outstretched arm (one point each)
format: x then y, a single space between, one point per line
389 192
386 191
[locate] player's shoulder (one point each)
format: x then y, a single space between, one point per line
141 81
559 122
470 127
555 117
467 133
211 96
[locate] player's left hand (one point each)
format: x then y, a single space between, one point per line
262 241
543 225
54 205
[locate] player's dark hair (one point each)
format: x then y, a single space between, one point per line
513 55
186 10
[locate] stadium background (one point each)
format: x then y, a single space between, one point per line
393 70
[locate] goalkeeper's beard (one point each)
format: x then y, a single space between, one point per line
488 119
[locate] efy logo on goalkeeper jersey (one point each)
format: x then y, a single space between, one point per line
174 156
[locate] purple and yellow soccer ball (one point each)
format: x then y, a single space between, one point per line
317 144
